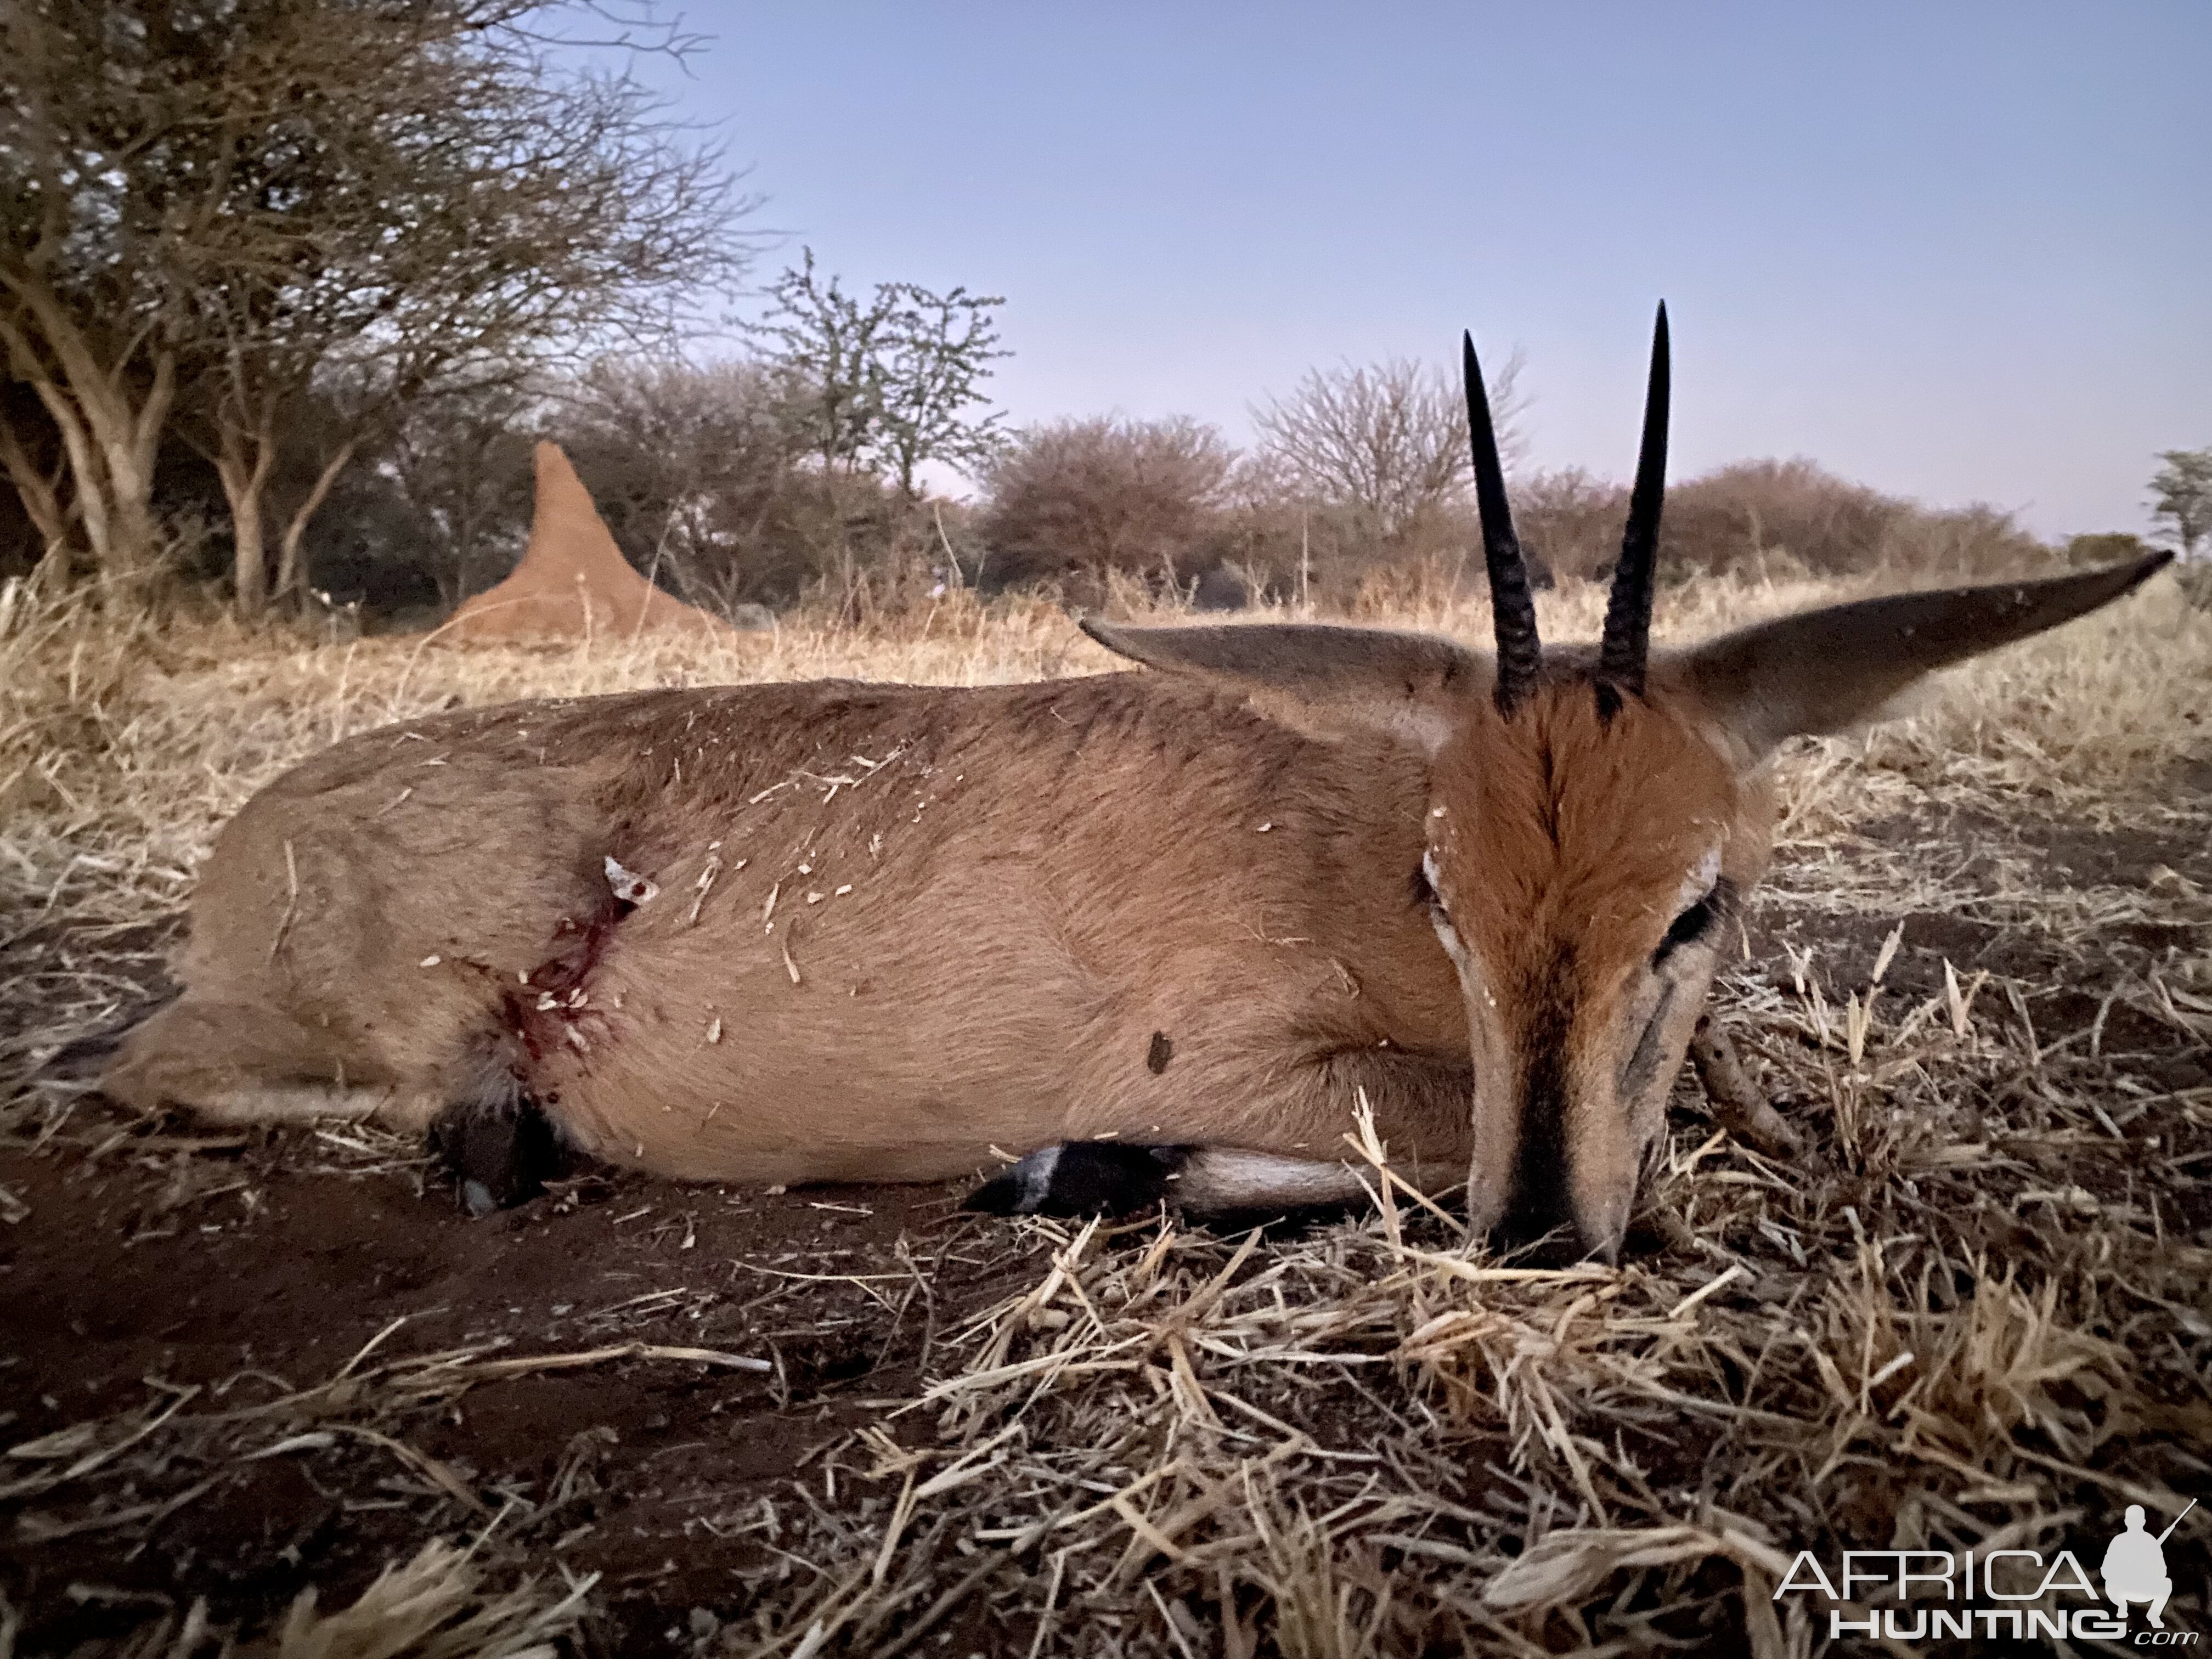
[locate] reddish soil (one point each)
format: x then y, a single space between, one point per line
276 1275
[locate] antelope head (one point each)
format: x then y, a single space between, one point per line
1595 816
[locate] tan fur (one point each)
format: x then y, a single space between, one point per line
1569 861
896 930
993 975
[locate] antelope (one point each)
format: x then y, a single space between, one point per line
1149 935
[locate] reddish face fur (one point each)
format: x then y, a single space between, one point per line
1565 846
1585 848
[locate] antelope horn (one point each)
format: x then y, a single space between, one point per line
1628 610
1520 653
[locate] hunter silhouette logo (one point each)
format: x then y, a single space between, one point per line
1908 1595
2135 1566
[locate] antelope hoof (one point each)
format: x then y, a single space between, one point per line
503 1151
1081 1178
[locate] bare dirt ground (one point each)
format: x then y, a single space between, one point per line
256 1268
234 1367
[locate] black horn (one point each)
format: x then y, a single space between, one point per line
1520 653
1628 610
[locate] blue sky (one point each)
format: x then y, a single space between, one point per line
1958 250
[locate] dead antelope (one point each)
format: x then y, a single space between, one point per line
1153 933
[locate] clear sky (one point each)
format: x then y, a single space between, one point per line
1958 250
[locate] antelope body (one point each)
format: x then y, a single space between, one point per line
1149 933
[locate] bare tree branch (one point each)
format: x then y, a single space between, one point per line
887 383
1389 439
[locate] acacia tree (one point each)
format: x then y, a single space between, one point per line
935 362
86 324
245 200
691 465
885 384
1070 500
2182 496
1389 439
461 465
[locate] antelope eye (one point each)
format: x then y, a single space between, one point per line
1692 925
1424 890
1424 884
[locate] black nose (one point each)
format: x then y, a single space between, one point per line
1539 1226
1527 1244
1541 1229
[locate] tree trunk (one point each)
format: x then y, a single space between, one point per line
111 445
42 504
242 462
290 572
85 471
134 445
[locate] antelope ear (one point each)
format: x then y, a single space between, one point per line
1331 682
1827 670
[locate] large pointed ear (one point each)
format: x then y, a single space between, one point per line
1332 682
1827 670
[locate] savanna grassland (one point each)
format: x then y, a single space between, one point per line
243 1375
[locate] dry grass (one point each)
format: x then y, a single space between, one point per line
1973 1314
431 1607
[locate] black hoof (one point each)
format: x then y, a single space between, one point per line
503 1151
1081 1178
